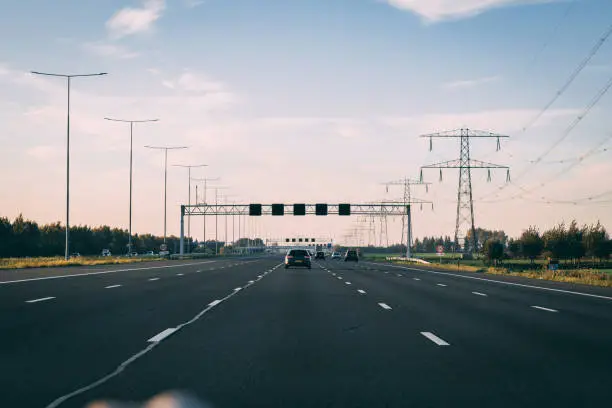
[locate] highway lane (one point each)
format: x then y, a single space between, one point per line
343 335
91 323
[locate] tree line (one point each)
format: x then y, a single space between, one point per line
24 237
563 242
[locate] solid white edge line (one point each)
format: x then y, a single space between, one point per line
384 306
112 286
251 282
479 294
102 272
363 292
160 336
40 300
153 279
214 302
571 292
441 284
237 289
179 274
416 279
435 339
545 309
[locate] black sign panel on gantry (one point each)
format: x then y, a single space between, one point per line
321 209
255 209
344 209
278 209
299 209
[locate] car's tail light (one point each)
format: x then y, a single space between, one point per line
307 257
289 257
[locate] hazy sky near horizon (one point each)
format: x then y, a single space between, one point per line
305 101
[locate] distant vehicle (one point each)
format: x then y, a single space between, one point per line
335 255
351 255
132 254
106 252
164 253
320 255
75 255
297 257
150 253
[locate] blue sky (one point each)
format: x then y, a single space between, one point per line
304 100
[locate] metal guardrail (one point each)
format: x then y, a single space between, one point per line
403 258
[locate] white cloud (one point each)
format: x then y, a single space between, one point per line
43 152
128 21
188 81
438 10
153 71
103 49
470 83
194 3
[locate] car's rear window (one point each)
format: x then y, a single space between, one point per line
298 252
352 253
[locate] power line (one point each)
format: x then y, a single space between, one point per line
596 99
552 34
572 77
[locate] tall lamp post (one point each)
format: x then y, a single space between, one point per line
165 149
189 167
68 78
131 122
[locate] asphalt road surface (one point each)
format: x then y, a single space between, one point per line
248 333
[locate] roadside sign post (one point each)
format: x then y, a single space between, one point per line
440 251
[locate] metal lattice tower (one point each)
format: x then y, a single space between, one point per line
465 164
408 199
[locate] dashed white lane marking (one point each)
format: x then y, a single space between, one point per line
160 336
399 275
237 289
386 271
545 309
214 302
40 300
348 283
435 339
259 276
179 274
441 284
153 279
363 292
334 274
479 294
339 277
251 281
104 272
384 306
121 367
416 279
522 285
112 286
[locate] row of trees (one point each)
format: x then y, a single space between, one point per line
24 237
568 242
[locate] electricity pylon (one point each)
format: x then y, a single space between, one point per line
408 200
465 164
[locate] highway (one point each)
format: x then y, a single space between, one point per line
248 333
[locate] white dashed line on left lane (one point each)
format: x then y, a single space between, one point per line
40 300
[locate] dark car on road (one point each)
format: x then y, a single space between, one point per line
298 257
320 255
351 255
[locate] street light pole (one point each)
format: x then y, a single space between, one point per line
131 122
68 78
189 167
165 149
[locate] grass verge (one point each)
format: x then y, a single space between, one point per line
584 276
54 262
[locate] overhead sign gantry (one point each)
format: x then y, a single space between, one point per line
297 209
